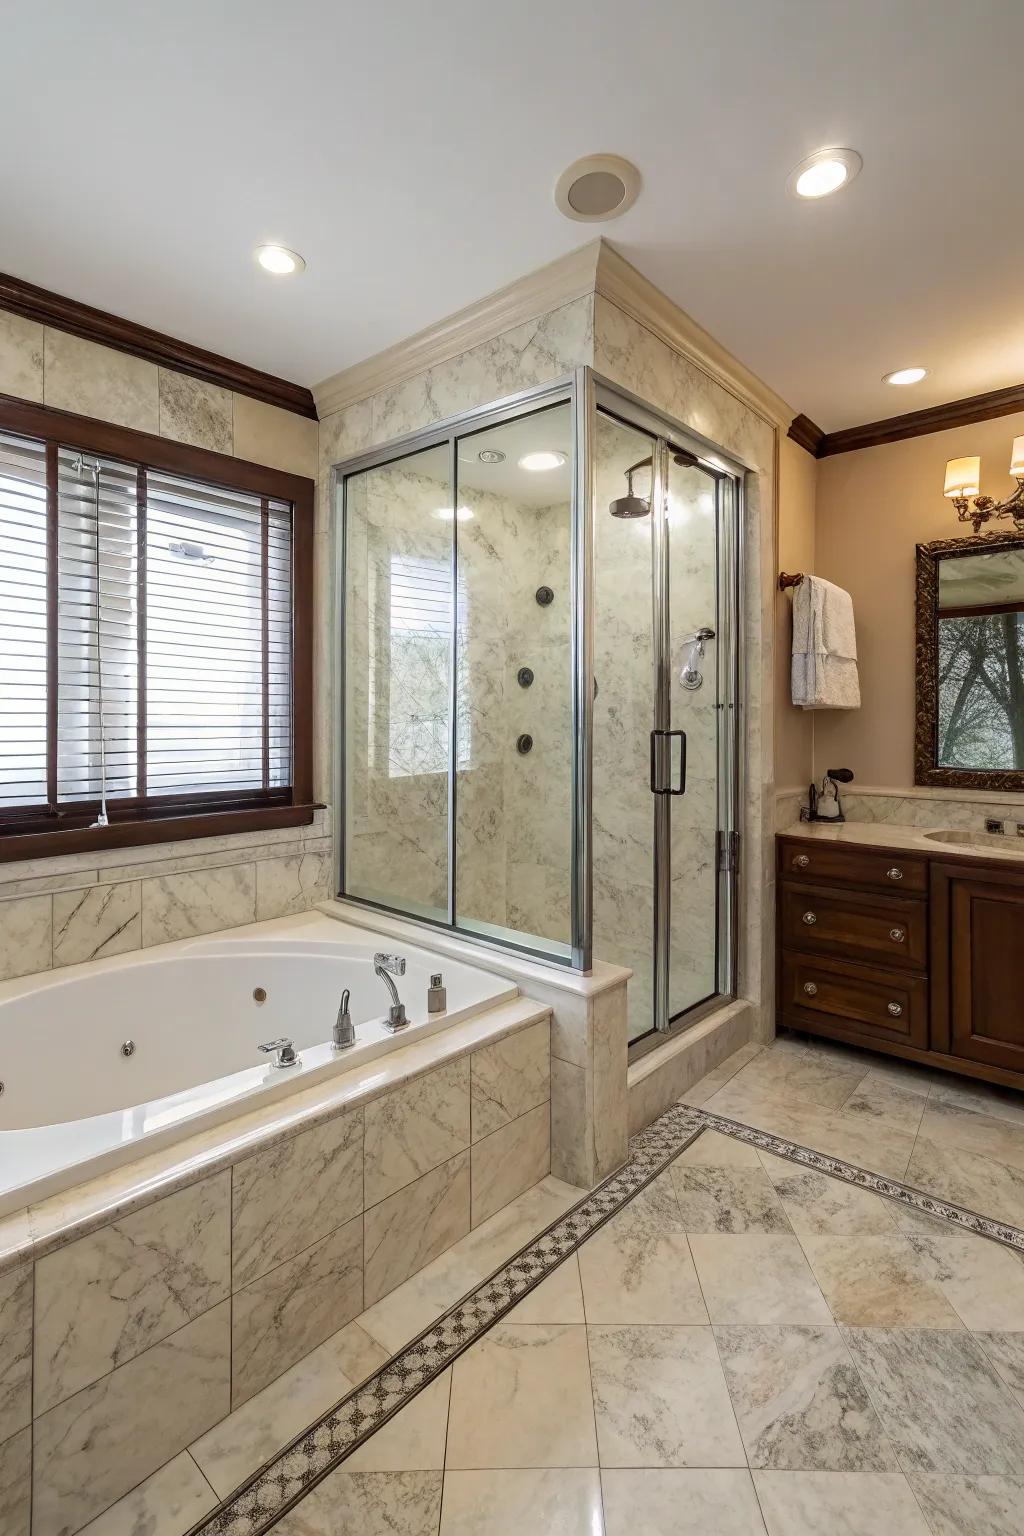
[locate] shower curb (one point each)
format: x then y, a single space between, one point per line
283 1481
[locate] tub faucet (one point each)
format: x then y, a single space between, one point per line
344 1033
385 966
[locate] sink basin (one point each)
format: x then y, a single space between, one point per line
1006 844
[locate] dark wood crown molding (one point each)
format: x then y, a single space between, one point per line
935 418
48 308
806 433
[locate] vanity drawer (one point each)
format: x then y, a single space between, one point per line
852 925
838 862
871 1004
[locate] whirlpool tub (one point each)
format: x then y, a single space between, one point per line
103 1062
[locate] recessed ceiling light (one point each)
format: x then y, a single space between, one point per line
464 514
905 376
597 187
546 459
824 172
279 260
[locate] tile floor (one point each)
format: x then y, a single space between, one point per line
747 1347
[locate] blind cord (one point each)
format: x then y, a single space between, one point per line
101 819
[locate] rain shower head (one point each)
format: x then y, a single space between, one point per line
630 505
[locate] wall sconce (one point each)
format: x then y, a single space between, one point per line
963 481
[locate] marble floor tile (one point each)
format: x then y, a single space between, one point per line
414 1440
978 1183
248 1437
982 1280
885 1106
948 1124
970 1506
985 1098
842 1503
679 1502
367 1504
886 1152
728 1200
166 1504
556 1502
637 1268
558 1299
753 1278
280 1317
521 1397
940 1399
879 1282
660 1399
16 1484
1006 1351
800 1402
713 1150
807 1076
720 1075
817 1204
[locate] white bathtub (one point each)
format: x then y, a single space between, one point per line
76 1101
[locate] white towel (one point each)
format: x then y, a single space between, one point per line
824 669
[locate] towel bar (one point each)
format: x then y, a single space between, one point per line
786 580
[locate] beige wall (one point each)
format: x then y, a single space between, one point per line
794 728
873 506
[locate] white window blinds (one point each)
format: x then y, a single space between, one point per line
169 643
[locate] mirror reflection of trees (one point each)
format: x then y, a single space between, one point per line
981 689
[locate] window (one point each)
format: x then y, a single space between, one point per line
154 642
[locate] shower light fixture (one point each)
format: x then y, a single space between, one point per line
463 515
279 260
824 172
905 376
548 458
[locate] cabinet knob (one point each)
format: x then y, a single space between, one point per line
897 935
801 861
810 988
895 873
895 1009
810 919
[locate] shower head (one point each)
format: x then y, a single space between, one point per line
630 505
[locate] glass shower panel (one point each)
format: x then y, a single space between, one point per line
692 559
513 788
624 715
399 596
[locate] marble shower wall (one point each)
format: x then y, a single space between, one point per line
73 908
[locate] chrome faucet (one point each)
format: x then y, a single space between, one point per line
385 966
283 1052
344 1033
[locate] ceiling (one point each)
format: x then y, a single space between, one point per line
409 152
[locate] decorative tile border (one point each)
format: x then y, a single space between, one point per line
278 1486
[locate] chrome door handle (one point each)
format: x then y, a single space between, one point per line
810 919
801 861
897 935
667 736
810 989
895 873
895 1009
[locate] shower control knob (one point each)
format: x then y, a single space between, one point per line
894 1010
895 873
810 918
810 988
524 744
801 861
544 596
524 677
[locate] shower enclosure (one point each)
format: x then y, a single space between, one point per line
539 688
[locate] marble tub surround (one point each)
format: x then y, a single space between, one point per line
74 908
588 1059
201 1296
605 1394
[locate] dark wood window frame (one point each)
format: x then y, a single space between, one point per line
926 771
213 814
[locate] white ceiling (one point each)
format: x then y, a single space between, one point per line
409 152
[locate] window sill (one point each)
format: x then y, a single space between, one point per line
138 834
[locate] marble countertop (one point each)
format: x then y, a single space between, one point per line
870 834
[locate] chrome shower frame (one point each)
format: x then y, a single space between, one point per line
585 391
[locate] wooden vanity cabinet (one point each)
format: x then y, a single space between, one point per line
918 956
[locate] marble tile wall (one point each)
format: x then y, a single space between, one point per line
120 1348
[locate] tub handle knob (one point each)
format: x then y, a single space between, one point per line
284 1051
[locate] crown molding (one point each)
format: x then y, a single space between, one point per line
63 314
807 434
935 418
559 282
623 285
